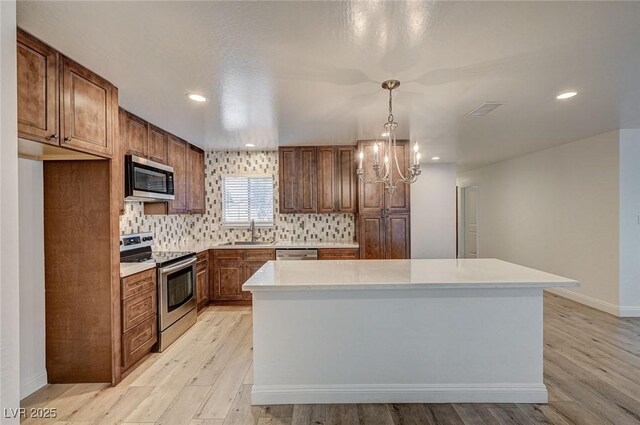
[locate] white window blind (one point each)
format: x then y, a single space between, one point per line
246 198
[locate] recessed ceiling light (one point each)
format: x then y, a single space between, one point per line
435 158
566 95
197 97
250 145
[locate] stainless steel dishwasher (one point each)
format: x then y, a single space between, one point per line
296 254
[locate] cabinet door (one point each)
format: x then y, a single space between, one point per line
138 342
202 287
195 165
346 179
157 144
326 179
399 202
288 192
135 135
86 112
338 254
371 237
397 238
178 160
370 195
37 90
230 275
307 180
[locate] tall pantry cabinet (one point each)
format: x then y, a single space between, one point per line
384 220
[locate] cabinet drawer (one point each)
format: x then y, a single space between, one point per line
137 309
228 254
259 254
138 341
339 254
138 283
202 260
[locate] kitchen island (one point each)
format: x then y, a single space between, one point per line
373 331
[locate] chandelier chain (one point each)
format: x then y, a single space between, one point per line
390 118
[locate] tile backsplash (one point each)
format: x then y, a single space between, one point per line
174 230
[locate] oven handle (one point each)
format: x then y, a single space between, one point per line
176 267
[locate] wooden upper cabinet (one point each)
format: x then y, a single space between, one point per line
308 180
288 176
135 135
157 144
372 197
317 179
178 160
37 90
327 175
399 202
86 111
195 165
346 179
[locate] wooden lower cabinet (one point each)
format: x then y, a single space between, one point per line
139 316
338 254
397 236
371 236
202 280
231 269
139 341
384 236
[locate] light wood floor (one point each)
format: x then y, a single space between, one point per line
592 371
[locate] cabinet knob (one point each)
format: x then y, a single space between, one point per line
53 137
67 139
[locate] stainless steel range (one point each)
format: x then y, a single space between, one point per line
176 284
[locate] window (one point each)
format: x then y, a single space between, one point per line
246 198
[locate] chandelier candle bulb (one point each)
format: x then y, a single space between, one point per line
418 158
375 151
360 157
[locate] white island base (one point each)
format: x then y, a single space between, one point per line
404 331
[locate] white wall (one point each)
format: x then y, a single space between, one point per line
9 311
433 212
33 374
556 210
630 222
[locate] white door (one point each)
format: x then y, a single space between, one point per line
471 222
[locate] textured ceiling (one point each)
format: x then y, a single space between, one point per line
287 73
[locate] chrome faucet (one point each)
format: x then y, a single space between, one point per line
252 229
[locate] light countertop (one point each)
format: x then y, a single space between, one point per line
399 274
127 269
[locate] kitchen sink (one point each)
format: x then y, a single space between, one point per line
255 243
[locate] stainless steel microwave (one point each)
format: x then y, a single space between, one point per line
146 180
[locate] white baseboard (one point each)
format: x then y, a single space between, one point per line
586 300
33 385
399 393
629 311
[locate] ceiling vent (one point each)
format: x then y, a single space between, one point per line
483 110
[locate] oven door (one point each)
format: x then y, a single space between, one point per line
177 291
147 180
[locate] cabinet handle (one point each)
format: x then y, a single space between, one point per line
53 137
